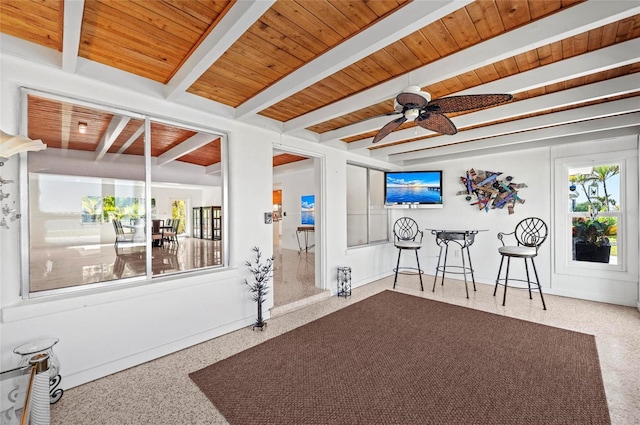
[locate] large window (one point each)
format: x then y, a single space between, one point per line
591 218
594 219
594 211
109 198
367 219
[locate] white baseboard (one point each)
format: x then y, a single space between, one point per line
118 365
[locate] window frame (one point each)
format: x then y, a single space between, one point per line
564 263
368 242
147 277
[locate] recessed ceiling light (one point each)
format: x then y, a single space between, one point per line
82 127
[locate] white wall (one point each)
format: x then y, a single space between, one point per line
105 330
458 213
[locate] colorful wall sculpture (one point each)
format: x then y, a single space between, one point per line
489 190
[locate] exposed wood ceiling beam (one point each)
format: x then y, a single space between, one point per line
129 142
552 135
586 113
66 112
191 144
557 121
405 21
615 56
115 127
72 26
143 62
574 20
236 22
611 57
574 96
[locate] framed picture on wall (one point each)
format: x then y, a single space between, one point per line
308 210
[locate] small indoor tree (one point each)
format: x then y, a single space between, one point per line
262 272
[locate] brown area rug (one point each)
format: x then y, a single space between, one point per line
400 359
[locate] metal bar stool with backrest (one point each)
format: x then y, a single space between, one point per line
406 233
529 234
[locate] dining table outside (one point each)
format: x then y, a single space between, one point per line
138 230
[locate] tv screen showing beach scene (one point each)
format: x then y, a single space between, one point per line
418 188
308 210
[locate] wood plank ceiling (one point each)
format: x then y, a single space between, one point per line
326 70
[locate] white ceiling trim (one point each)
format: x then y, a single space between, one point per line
552 134
596 91
213 168
405 21
72 26
119 78
203 104
575 20
241 16
122 79
573 138
29 51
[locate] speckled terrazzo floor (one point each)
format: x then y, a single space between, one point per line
293 276
161 392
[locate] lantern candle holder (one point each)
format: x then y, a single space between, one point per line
344 281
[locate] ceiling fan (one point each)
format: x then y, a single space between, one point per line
415 104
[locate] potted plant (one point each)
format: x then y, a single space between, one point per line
262 271
592 238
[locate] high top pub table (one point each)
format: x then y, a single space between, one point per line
463 240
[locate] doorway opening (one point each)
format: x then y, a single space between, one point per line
296 225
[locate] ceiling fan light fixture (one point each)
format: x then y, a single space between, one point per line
416 105
412 114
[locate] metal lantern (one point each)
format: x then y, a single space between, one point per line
344 281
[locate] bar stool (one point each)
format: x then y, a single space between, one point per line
529 234
463 240
406 232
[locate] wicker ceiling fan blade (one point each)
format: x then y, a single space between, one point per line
388 128
467 102
411 100
436 122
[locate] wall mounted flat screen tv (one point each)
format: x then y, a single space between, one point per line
413 189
